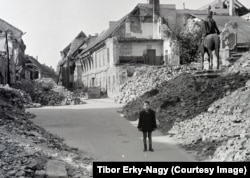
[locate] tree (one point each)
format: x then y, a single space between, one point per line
188 47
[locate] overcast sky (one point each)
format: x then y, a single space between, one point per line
50 25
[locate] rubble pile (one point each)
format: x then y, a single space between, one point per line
208 115
184 97
25 148
241 66
47 93
12 96
148 78
223 132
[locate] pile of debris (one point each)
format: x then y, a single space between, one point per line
209 115
221 133
47 93
26 149
12 96
241 66
147 79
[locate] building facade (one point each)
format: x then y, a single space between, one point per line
137 39
12 51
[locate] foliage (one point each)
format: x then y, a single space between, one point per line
188 47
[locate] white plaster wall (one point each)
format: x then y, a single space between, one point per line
100 72
166 48
147 30
139 48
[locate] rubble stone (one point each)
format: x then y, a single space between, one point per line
39 174
2 148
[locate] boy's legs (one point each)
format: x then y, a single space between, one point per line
150 141
145 140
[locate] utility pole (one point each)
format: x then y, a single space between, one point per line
8 58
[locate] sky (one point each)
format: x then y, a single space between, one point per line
50 25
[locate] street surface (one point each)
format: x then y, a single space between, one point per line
97 128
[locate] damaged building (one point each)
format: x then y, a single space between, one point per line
145 36
12 50
67 65
107 60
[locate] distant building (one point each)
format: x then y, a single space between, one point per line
67 64
227 7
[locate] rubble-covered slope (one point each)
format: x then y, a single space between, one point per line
147 78
25 148
186 107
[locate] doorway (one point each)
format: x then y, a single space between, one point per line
151 55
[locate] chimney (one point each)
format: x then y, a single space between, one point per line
111 23
184 6
231 8
156 5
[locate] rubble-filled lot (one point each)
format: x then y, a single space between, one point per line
208 115
26 149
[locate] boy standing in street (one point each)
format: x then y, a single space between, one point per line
147 124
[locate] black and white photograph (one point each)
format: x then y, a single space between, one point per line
124 88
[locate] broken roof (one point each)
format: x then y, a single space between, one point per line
4 26
109 32
246 16
75 44
102 37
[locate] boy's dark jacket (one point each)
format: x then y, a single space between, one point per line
147 121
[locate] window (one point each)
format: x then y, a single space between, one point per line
95 60
99 60
109 82
113 79
108 55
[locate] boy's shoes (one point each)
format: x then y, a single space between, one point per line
151 149
145 147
